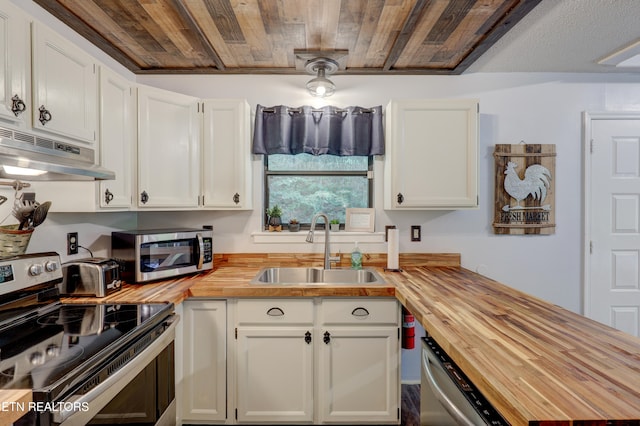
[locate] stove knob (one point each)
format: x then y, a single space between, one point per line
51 266
53 350
36 358
35 269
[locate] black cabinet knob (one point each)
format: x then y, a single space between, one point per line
45 115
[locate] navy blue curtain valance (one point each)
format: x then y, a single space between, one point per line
317 131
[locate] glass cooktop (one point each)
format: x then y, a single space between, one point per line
41 349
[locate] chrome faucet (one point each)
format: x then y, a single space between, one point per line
327 249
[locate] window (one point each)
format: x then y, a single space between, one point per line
303 185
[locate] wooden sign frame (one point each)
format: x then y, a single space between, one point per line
524 189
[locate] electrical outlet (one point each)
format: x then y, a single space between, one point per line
72 243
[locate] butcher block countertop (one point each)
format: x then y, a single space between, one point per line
14 403
537 363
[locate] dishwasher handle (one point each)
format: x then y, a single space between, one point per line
446 402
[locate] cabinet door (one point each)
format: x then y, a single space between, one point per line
14 64
358 374
168 149
227 165
204 359
65 86
431 159
117 138
274 374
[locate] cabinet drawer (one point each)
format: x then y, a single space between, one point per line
359 311
275 311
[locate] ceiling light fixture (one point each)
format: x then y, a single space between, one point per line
625 57
321 86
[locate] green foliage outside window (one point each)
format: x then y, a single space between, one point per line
303 185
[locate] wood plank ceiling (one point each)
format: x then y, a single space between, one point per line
260 36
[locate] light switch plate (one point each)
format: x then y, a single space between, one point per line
416 231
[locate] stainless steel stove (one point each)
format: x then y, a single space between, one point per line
82 361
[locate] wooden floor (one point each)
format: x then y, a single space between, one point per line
410 405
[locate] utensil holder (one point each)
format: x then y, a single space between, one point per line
14 241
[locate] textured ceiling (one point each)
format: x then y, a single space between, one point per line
565 36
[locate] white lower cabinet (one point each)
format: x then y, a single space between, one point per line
359 361
323 360
204 362
274 367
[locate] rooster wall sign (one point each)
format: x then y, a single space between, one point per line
525 196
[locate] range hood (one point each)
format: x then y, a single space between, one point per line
60 160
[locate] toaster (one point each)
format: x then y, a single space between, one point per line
94 276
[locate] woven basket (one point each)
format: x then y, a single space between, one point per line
13 241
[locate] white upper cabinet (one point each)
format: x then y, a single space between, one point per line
15 101
226 158
431 158
168 149
172 173
117 153
117 139
65 86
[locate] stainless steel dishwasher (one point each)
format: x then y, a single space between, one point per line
447 397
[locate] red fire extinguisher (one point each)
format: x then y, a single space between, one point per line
408 329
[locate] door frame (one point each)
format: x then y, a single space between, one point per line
587 118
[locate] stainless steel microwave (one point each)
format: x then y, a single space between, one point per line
154 254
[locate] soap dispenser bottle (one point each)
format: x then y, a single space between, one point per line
356 257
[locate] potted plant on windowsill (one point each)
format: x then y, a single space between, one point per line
335 225
274 222
294 225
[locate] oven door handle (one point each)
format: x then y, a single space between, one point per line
87 406
440 395
200 251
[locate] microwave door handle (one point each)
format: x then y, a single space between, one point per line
440 395
200 251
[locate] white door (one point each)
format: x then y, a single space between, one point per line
612 293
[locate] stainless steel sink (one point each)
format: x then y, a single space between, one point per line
317 276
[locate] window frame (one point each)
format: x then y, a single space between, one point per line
306 225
